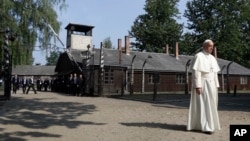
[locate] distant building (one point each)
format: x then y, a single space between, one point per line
37 71
110 71
171 69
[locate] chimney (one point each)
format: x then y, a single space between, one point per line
215 52
177 50
127 49
167 49
120 50
119 44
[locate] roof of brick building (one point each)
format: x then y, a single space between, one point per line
33 70
155 62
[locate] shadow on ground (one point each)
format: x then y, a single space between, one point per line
18 136
240 102
157 125
37 114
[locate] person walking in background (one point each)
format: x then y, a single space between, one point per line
24 84
75 84
78 85
31 85
80 82
52 84
39 84
46 84
203 110
15 83
69 83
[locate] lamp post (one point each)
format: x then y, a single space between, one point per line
132 76
143 73
222 78
228 84
187 78
92 89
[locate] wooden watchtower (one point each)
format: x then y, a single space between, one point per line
79 37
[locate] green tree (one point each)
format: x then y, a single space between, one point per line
107 43
28 21
157 27
189 44
53 58
226 22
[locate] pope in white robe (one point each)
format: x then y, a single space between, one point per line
203 110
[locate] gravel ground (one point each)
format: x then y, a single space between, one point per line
50 116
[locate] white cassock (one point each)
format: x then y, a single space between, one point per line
203 110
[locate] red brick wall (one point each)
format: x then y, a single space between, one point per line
167 82
235 81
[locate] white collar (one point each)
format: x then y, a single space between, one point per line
206 53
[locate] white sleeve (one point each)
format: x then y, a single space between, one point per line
196 79
216 80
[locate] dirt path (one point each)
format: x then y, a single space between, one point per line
55 117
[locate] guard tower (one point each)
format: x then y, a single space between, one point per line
79 37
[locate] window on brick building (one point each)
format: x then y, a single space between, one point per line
129 78
180 79
150 78
109 76
243 80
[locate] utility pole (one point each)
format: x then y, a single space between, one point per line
7 64
101 72
228 83
132 76
187 78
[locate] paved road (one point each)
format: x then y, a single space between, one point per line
56 117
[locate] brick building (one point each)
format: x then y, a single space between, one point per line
170 67
37 71
122 70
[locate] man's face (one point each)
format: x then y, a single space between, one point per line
208 47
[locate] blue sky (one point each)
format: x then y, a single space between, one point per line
111 18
